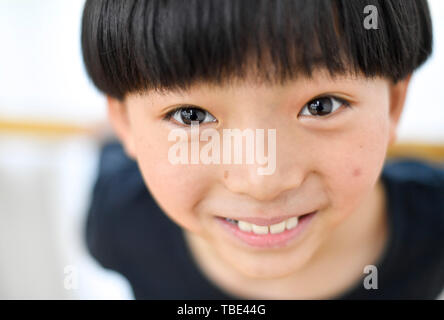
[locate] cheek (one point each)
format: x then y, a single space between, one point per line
352 164
176 188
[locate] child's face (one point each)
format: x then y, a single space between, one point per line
327 164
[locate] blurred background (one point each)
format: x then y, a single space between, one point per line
52 122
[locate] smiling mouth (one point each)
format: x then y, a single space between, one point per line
263 229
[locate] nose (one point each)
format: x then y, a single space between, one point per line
245 180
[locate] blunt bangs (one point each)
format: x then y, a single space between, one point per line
134 45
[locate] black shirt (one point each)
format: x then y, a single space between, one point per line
127 232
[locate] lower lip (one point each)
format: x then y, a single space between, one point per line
269 240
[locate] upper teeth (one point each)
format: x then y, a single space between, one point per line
274 228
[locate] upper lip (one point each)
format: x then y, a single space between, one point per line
267 221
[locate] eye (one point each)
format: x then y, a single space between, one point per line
323 106
184 115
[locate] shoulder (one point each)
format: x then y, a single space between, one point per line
118 178
122 217
415 171
416 188
417 178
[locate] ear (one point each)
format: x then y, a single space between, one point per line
398 94
118 117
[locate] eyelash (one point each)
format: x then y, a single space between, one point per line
342 102
171 113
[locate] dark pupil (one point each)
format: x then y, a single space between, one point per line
192 114
320 106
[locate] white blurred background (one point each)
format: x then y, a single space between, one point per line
49 113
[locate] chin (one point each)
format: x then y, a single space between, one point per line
272 272
270 266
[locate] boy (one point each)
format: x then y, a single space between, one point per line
329 220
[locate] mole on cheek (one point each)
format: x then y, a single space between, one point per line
356 172
225 174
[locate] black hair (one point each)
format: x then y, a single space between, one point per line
136 45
